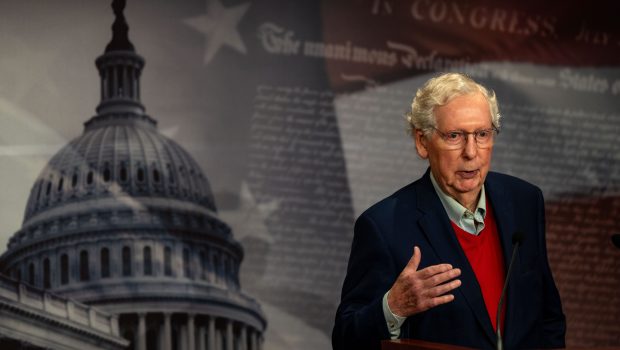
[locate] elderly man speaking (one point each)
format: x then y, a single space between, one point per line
430 261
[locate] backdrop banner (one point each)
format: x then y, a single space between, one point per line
294 111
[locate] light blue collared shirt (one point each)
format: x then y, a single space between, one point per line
461 216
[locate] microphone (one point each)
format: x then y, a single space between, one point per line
517 238
616 239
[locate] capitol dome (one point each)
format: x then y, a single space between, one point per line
124 219
119 155
123 166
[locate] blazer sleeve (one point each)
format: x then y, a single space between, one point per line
360 323
554 321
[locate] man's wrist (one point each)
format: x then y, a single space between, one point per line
394 322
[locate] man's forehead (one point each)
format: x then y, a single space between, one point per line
465 114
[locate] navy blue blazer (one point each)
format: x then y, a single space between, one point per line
383 242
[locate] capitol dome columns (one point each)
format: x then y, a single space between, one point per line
211 332
141 331
167 332
193 332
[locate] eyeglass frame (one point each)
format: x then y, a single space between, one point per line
465 136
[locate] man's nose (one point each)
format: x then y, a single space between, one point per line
471 147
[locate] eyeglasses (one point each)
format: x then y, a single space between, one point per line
458 138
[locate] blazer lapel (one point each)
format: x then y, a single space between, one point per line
507 225
437 228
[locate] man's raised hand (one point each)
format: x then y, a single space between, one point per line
416 290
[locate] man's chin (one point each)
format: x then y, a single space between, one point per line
469 186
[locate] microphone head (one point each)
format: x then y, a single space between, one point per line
517 238
616 239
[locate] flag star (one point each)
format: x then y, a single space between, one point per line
219 26
248 220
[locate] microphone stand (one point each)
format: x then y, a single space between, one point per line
516 241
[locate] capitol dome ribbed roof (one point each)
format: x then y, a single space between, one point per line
117 156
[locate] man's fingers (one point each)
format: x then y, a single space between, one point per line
443 277
433 270
444 288
431 275
444 299
414 262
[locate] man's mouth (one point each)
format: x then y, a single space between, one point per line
467 174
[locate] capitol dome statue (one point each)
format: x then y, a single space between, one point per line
123 219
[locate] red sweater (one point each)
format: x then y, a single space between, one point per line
485 256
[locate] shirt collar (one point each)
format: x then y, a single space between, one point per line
460 215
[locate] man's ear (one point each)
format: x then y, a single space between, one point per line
421 143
